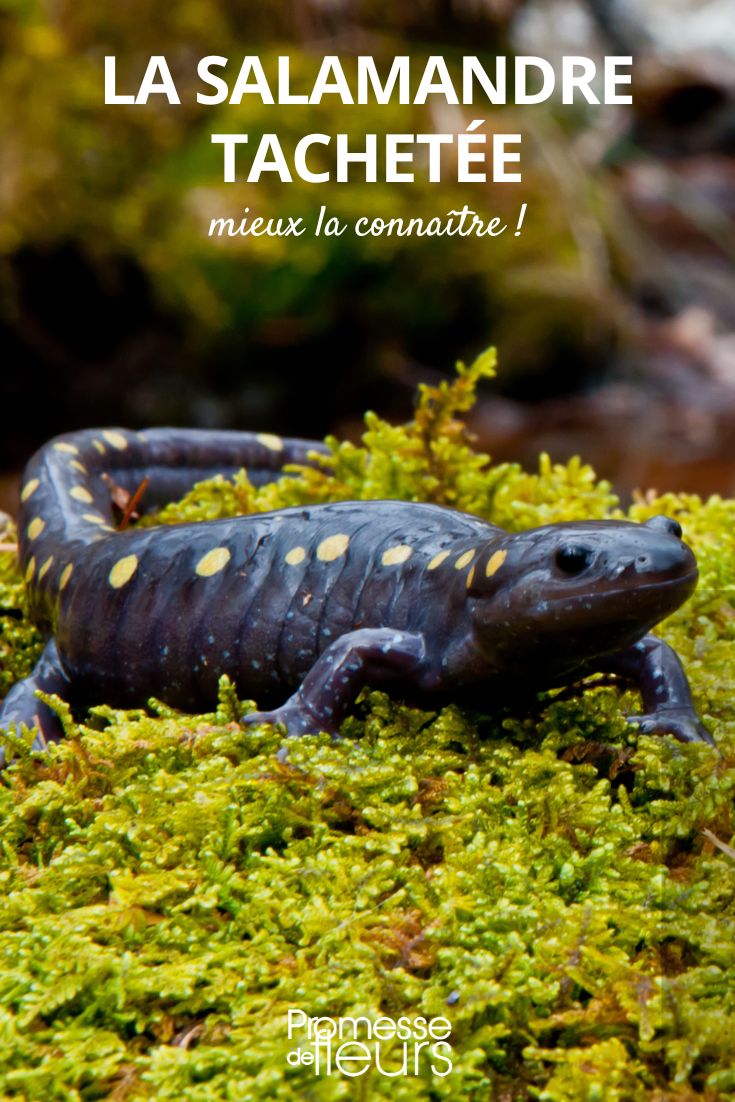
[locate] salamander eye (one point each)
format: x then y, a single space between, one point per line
573 558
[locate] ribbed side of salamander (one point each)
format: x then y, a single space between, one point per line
165 612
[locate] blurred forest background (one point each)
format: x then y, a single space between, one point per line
613 312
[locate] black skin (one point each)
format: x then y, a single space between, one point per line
304 607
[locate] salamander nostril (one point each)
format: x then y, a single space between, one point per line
665 524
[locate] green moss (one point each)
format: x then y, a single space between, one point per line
20 642
562 891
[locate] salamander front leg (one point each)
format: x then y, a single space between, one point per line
22 706
656 670
374 656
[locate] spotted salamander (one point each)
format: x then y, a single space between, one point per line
302 607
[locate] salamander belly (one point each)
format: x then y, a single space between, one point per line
167 611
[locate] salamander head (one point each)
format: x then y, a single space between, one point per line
566 593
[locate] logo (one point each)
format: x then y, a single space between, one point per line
392 1047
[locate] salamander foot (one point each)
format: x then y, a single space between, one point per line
21 706
682 723
656 670
293 716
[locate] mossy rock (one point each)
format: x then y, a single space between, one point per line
558 888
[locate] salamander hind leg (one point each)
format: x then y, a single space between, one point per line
21 705
374 656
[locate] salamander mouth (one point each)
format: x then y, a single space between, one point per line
684 580
665 583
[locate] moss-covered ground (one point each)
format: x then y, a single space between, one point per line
558 888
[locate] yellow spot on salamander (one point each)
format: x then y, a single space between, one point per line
70 449
398 554
30 570
116 439
471 577
464 559
29 489
45 568
437 560
78 466
295 556
214 561
99 446
35 528
270 440
495 562
65 575
123 571
80 494
94 518
333 547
